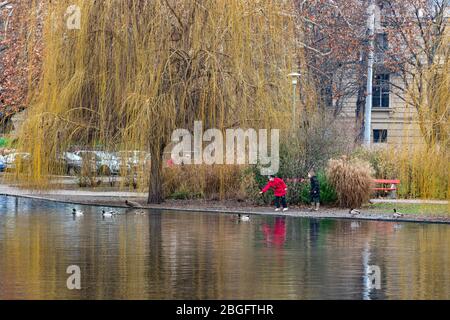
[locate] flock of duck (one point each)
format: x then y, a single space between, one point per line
104 213
112 213
138 211
241 217
109 213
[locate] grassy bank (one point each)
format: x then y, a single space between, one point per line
411 208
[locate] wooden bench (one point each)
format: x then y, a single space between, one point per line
392 188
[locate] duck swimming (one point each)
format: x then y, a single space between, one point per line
77 213
108 214
244 217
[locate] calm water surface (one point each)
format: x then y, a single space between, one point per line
178 255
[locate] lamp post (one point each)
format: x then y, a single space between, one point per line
368 107
294 76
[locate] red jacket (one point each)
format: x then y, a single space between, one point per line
278 186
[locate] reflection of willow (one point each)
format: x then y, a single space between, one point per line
423 271
28 256
136 70
211 256
140 255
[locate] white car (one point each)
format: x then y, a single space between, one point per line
2 164
73 163
105 162
12 158
133 159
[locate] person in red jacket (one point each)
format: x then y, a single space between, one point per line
279 190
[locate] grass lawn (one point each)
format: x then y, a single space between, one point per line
411 208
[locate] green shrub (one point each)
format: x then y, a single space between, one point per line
328 193
298 192
4 142
303 194
180 195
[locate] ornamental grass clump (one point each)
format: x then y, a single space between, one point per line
352 180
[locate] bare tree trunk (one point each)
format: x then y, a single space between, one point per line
155 193
359 115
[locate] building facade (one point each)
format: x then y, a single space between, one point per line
394 120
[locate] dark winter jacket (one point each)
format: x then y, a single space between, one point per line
315 187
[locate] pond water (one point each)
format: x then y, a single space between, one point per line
179 255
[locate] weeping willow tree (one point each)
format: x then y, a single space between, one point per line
136 70
430 95
424 165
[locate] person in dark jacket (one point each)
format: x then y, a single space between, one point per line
314 191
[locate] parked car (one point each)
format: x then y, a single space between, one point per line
72 163
133 160
104 163
2 164
12 159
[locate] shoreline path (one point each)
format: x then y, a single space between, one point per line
117 199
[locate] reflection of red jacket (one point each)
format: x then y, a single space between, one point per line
277 235
278 186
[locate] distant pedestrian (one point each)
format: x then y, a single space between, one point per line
314 190
279 190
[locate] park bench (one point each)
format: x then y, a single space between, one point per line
392 188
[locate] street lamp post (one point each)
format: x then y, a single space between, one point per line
368 107
294 76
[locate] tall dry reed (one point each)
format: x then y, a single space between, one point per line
352 180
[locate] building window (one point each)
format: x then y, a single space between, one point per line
381 42
381 46
381 91
380 136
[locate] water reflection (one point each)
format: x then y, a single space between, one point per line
165 255
275 235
